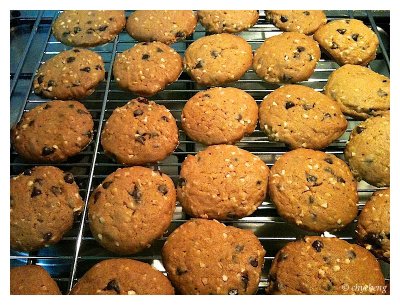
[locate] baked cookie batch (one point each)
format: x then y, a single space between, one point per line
134 205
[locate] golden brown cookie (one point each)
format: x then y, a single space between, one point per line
219 116
140 132
222 182
324 265
88 28
71 74
122 276
207 257
286 58
53 131
313 190
348 41
360 91
227 21
131 208
44 201
167 26
301 117
147 68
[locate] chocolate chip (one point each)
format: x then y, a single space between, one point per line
159 50
310 57
111 19
317 245
35 192
27 172
51 83
334 46
355 37
329 286
106 184
307 13
145 57
284 19
164 118
98 67
351 254
142 100
89 22
289 104
384 81
180 34
199 64
70 59
328 160
245 280
103 28
69 178
96 196
214 54
113 285
311 178
382 93
282 256
89 134
301 49
296 55
80 111
56 190
90 31
137 112
77 29
360 129
65 34
311 199
47 151
340 179
163 189
31 123
233 291
239 248
180 271
85 69
40 79
286 78
308 107
136 194
47 236
258 182
341 31
76 50
327 115
38 181
141 139
253 261
239 117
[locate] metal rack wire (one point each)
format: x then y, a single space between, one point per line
78 251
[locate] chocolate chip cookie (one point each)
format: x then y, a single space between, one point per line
122 276
32 280
222 182
217 59
373 226
71 74
88 28
140 132
348 41
131 208
167 26
306 22
147 68
360 91
314 190
53 131
286 58
43 203
228 21
368 151
219 116
301 117
324 265
207 257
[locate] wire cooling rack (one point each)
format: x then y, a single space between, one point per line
78 251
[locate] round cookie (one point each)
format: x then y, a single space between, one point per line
71 74
373 226
207 257
301 117
122 276
147 68
219 116
131 208
306 22
217 59
167 26
228 21
324 265
368 151
313 190
348 41
222 182
286 58
32 280
140 132
360 91
88 28
53 131
44 201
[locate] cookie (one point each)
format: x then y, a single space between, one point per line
324 265
360 91
140 132
286 58
53 131
71 74
373 226
219 116
222 182
166 26
299 116
217 59
122 276
348 41
32 280
147 68
368 151
207 257
306 22
44 201
88 28
314 190
228 21
131 208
